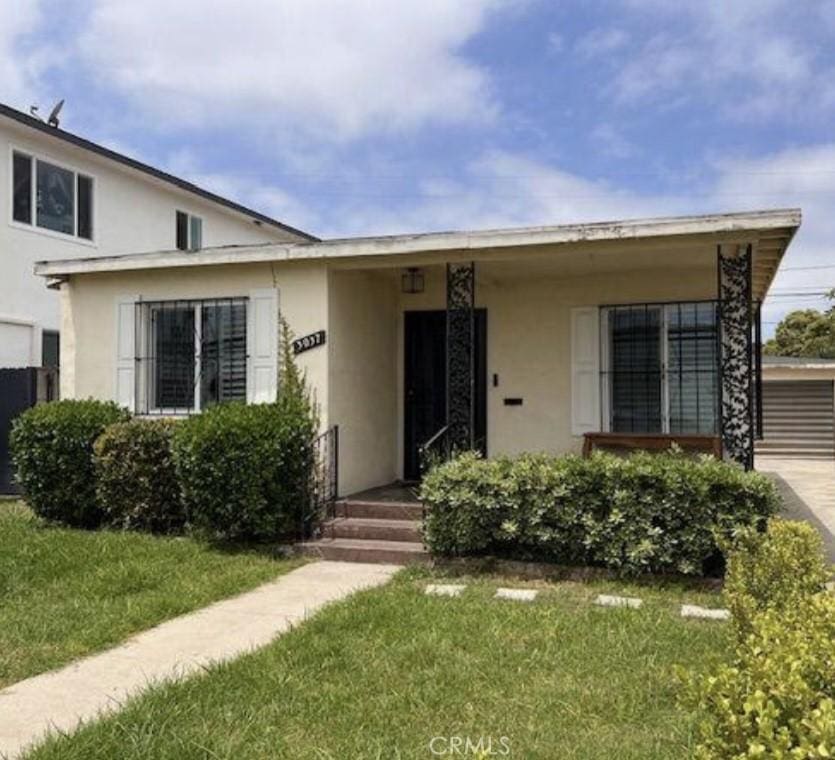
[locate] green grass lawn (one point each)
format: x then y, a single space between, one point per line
65 593
382 673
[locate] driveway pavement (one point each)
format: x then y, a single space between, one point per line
808 488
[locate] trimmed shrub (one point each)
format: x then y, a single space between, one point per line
136 482
772 570
777 696
245 471
52 451
645 513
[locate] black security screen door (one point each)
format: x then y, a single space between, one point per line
425 382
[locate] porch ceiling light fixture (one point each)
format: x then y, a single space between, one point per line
412 280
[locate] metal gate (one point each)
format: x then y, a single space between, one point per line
20 389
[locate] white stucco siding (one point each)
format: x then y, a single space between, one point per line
132 212
89 351
529 343
363 376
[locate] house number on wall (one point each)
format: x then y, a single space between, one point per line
309 341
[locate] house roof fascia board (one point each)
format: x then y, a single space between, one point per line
739 225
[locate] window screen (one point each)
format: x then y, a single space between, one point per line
635 370
223 353
50 349
172 333
692 377
22 188
192 354
55 198
182 231
85 207
196 233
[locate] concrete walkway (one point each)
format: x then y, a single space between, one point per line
808 489
82 690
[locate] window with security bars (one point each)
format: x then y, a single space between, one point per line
192 354
660 368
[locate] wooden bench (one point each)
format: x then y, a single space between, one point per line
705 444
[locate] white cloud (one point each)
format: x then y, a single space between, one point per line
601 42
802 177
330 69
19 66
748 42
249 190
503 189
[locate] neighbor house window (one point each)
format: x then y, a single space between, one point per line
51 197
192 354
659 367
189 232
50 349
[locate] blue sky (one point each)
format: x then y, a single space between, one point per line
360 117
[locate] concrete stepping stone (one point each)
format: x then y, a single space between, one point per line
706 613
607 600
445 589
516 594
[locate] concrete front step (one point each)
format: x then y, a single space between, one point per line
359 550
373 529
379 510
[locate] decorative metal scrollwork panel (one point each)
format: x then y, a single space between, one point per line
736 356
460 355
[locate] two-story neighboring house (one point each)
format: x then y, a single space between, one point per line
64 197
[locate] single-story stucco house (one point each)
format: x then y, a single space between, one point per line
507 340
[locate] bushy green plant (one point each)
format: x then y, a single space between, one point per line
245 471
645 513
52 451
776 698
772 569
136 482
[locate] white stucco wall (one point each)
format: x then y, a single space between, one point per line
362 377
88 336
529 345
133 212
358 375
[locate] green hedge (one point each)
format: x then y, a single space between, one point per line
244 471
644 513
52 451
776 699
136 482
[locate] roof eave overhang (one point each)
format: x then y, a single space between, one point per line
724 228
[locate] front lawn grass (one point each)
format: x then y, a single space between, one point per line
384 672
66 593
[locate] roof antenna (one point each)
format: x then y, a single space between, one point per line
33 111
53 120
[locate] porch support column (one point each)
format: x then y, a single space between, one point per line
460 356
736 354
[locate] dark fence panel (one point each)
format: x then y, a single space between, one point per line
20 389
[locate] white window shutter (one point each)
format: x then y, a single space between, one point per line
585 370
262 346
125 385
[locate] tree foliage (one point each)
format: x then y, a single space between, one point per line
805 332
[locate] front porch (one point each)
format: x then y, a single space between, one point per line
530 350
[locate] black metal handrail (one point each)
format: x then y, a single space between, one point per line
434 449
324 482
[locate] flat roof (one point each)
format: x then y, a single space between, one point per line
783 222
797 362
119 158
